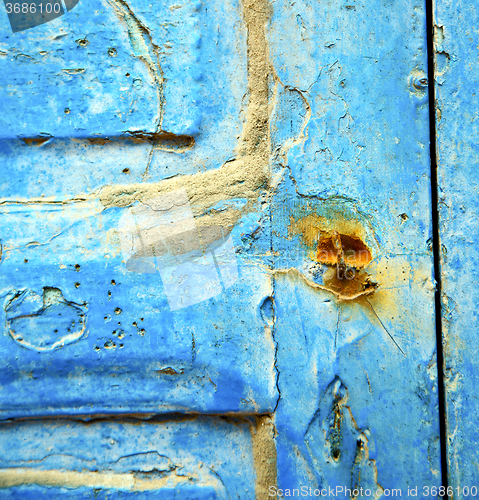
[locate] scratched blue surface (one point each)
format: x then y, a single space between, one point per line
76 90
457 102
197 458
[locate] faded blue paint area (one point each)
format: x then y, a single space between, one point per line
214 356
456 80
82 76
357 377
344 363
195 458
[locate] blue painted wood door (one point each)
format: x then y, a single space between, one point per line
456 75
216 267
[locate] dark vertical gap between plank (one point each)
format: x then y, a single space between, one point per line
436 242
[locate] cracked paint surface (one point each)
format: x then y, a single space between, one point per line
456 75
357 154
166 458
46 322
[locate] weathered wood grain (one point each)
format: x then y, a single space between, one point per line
456 44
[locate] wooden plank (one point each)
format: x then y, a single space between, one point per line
357 365
143 339
456 44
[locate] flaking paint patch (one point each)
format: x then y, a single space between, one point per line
242 177
44 323
105 480
316 230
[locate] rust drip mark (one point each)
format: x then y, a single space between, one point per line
333 242
350 253
264 455
340 246
35 141
161 140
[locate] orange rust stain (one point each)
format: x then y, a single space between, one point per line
332 242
